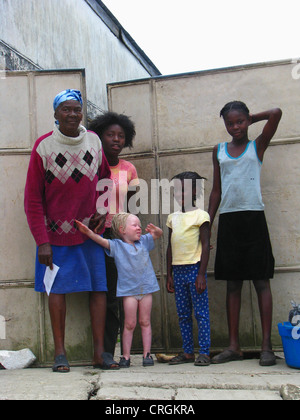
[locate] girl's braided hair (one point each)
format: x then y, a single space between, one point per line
236 106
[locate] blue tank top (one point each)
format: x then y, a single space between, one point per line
240 180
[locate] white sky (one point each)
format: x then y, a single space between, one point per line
190 35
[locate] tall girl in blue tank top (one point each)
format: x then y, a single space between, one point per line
244 250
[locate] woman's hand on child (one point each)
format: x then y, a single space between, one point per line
200 283
155 231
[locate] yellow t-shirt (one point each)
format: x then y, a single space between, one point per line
185 239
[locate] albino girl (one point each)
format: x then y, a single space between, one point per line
136 277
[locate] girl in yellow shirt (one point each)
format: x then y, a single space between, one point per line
187 259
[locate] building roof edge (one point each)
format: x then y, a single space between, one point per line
117 29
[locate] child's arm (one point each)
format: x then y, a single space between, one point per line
205 241
88 232
155 231
170 282
273 117
215 195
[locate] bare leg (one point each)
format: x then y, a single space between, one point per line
265 303
130 310
145 307
57 310
97 312
234 291
233 303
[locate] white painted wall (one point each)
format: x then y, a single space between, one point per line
68 34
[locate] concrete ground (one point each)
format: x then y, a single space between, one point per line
244 380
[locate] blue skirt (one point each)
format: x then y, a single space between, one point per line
82 269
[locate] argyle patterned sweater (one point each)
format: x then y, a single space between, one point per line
61 185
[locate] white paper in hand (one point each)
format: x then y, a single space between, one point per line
49 278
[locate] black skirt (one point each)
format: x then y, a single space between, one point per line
244 250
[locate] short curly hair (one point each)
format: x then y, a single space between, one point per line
100 123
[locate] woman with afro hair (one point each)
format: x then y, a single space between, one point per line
116 132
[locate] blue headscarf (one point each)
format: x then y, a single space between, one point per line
67 95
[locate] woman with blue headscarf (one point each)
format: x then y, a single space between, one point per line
63 173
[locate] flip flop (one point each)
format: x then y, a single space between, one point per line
180 359
108 363
61 364
227 356
267 358
202 360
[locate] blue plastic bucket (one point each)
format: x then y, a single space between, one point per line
290 337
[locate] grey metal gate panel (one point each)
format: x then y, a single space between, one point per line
177 121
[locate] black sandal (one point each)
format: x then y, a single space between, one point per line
108 363
202 360
180 359
61 364
227 356
267 358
